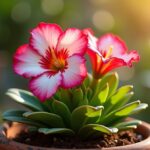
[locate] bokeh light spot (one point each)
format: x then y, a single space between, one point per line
21 12
52 7
103 20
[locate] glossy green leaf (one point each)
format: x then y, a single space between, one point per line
77 97
62 110
48 105
65 97
87 80
121 92
141 107
94 101
13 112
119 113
110 107
127 124
127 109
113 80
103 94
64 131
17 116
25 98
94 111
95 129
84 100
120 98
85 114
49 119
105 129
124 100
127 127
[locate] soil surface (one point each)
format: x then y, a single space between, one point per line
38 139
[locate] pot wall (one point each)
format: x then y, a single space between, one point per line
143 129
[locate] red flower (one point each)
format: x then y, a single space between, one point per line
52 59
108 52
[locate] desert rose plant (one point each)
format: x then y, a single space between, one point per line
65 99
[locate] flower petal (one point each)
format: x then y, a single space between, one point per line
111 64
94 59
133 56
26 62
75 73
74 41
106 41
92 40
45 36
45 85
92 50
101 67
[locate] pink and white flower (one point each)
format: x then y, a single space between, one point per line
108 52
52 59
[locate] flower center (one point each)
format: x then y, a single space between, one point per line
109 52
57 62
54 60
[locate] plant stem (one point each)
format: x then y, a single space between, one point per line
94 84
83 88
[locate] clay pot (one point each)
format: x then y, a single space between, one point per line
6 144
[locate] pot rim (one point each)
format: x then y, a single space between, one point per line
145 127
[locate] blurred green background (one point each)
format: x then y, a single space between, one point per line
130 19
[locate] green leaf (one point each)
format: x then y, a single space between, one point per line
84 101
105 129
90 130
13 112
117 100
48 104
103 94
65 97
89 93
124 100
88 80
77 97
17 116
112 79
121 92
85 114
141 107
94 111
49 119
57 95
25 98
127 127
127 109
64 131
123 125
119 113
62 110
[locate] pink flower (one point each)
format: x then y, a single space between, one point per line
108 52
52 59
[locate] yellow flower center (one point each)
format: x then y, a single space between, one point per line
109 52
57 61
54 60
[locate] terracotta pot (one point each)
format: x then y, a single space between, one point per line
6 144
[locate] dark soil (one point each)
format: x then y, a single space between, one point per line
37 139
